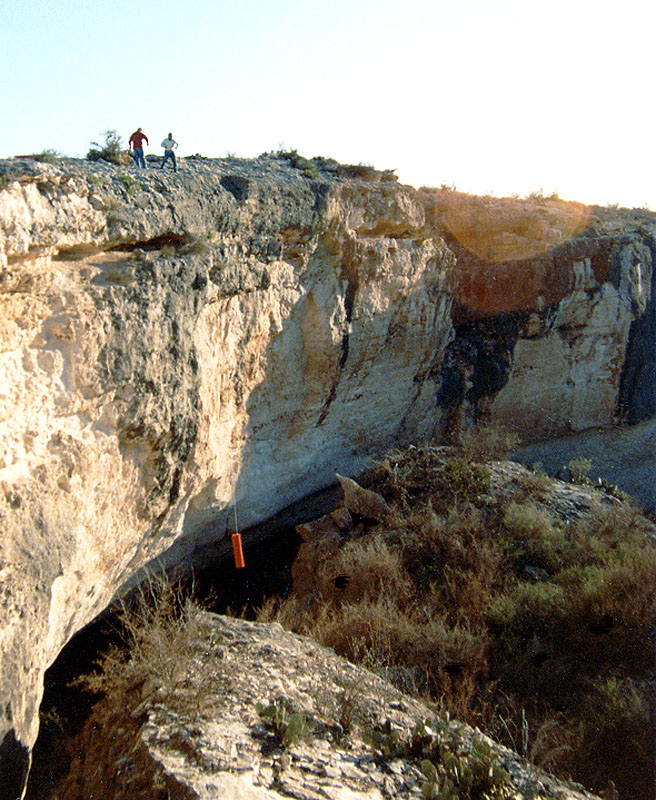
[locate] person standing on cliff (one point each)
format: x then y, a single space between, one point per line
168 145
136 143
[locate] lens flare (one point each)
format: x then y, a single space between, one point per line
506 247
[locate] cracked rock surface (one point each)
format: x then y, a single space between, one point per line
204 735
173 344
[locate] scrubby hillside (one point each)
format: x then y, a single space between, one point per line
211 707
518 603
497 597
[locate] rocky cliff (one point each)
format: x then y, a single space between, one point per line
326 730
180 351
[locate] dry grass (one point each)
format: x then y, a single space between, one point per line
425 478
158 629
374 568
537 630
507 617
488 442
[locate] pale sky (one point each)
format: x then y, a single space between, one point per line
491 96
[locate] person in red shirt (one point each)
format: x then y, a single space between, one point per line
136 143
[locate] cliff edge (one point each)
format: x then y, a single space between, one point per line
175 345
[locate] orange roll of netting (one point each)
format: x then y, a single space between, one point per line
237 550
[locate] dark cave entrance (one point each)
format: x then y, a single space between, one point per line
269 550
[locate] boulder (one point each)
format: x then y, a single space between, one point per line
290 719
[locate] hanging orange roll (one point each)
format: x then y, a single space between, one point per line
238 552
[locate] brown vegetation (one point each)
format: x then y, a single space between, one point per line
535 627
160 628
538 629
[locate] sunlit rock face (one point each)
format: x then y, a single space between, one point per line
548 294
174 343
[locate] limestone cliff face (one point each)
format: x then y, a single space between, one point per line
554 329
174 343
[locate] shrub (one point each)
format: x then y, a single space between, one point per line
580 468
419 474
157 629
527 522
131 184
507 615
47 156
372 567
111 150
308 167
476 776
615 718
465 481
344 706
534 539
288 726
487 442
607 525
407 646
454 559
386 741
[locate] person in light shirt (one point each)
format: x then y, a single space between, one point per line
168 145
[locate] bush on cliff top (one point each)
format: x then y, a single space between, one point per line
314 168
111 150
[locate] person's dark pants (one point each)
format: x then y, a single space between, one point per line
139 159
169 154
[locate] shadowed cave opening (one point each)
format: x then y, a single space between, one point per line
14 764
269 550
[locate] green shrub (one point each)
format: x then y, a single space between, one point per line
111 150
526 521
507 614
476 775
307 166
131 184
47 156
580 468
412 477
288 726
464 480
533 539
386 741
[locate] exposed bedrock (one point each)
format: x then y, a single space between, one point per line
174 343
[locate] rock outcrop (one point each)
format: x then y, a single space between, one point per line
259 714
182 350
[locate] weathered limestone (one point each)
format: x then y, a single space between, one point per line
171 344
204 732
